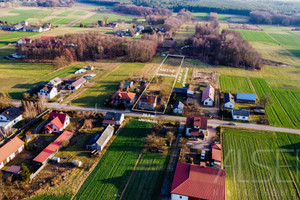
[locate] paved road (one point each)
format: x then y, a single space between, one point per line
211 122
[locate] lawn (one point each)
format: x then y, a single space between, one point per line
107 84
256 36
16 15
235 84
110 176
254 167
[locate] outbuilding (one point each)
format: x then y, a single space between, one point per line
240 114
99 140
245 98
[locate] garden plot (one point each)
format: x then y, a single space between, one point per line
157 93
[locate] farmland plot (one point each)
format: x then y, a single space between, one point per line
256 36
254 167
235 84
20 15
276 113
110 176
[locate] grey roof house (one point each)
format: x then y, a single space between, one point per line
99 140
178 108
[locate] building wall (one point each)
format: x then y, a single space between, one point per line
12 156
235 117
121 120
208 102
178 197
229 105
177 111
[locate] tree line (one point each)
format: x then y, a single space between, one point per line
172 24
264 17
141 10
225 48
63 50
49 3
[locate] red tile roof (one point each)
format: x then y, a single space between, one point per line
53 147
57 123
58 119
208 92
123 95
10 147
199 182
216 152
107 121
192 121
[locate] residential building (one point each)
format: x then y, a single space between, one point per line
194 182
57 122
113 118
10 117
99 140
196 126
240 114
24 23
80 71
10 150
48 91
228 101
147 102
77 84
183 92
32 29
178 108
24 40
123 97
208 96
51 150
245 98
216 154
128 84
55 82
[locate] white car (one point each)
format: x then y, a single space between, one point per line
202 157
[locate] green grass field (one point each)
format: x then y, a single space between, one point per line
112 173
61 21
19 15
9 37
252 163
203 15
66 13
235 84
107 84
256 36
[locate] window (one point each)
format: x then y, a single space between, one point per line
180 197
243 117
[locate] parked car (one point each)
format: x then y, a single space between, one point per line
202 157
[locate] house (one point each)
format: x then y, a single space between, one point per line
208 96
194 182
123 97
32 29
147 102
55 82
24 23
183 92
10 117
128 84
47 27
240 114
178 108
196 126
16 27
51 150
10 150
228 101
99 140
57 122
77 84
48 91
112 25
216 154
113 118
245 98
24 40
14 170
80 71
90 67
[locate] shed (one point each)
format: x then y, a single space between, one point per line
99 140
245 98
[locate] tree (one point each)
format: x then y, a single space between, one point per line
25 173
42 103
105 19
5 100
265 100
170 137
88 123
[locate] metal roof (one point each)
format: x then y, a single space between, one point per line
246 96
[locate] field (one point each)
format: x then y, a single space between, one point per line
60 21
16 15
110 176
252 163
235 84
8 37
203 15
257 36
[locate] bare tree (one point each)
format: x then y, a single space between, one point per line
170 137
5 100
42 103
88 123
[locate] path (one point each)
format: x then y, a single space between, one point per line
79 20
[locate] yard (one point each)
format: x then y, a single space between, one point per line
254 167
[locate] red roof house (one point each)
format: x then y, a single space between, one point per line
196 182
53 148
123 97
57 122
208 96
196 126
216 153
10 150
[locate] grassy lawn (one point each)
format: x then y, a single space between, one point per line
235 84
256 36
252 163
110 176
107 84
16 15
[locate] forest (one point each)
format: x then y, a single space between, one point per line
48 3
264 17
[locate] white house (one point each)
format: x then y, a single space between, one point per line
10 117
178 108
10 150
32 29
48 91
240 114
57 122
113 118
196 126
208 96
24 40
228 101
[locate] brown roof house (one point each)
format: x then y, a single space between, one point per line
196 126
123 97
208 96
147 102
216 154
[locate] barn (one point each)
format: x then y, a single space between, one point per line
245 98
99 140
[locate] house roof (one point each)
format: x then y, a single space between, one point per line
58 119
55 81
124 95
114 116
208 92
127 84
53 147
192 121
216 152
180 90
228 98
199 182
150 99
12 113
178 105
106 133
246 96
33 27
240 112
10 147
111 122
48 88
15 169
79 82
